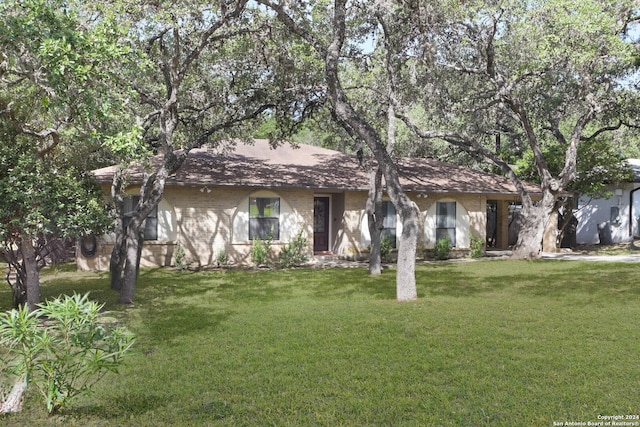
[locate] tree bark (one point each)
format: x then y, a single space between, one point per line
535 219
117 260
151 193
133 249
409 216
15 275
374 219
13 402
550 238
32 272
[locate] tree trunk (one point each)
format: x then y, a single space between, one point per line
118 254
15 275
117 260
13 402
567 224
406 278
550 238
116 263
375 218
534 222
151 193
32 273
133 250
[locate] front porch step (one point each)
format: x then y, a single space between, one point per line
331 259
325 257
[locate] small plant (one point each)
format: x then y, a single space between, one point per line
293 254
386 248
442 249
260 250
181 258
222 259
477 247
62 348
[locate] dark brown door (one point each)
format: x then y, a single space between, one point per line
320 224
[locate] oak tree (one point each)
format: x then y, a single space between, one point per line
336 32
513 76
55 61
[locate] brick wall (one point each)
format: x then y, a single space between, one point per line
209 221
206 222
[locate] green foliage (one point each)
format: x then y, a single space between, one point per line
57 94
46 196
599 164
222 258
477 247
260 252
78 53
63 348
386 248
294 253
442 249
127 145
182 263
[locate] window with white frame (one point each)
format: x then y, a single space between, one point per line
446 221
389 222
264 218
150 224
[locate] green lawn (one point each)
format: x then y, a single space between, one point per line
504 343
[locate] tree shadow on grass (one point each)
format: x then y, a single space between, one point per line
605 281
232 286
351 282
126 404
449 280
179 320
533 278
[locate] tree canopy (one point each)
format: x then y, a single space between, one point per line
57 59
513 76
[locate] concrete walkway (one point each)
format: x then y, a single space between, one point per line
586 257
337 262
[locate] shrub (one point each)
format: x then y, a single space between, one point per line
442 249
182 263
293 254
222 259
477 247
260 252
386 248
63 348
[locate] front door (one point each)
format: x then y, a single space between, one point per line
321 224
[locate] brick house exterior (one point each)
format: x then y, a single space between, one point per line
219 198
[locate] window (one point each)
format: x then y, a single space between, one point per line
151 223
446 221
615 215
264 218
389 222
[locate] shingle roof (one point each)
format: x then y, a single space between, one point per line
309 167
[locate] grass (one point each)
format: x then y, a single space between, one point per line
498 343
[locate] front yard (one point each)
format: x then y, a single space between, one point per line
498 342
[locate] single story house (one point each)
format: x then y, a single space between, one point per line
223 199
613 220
